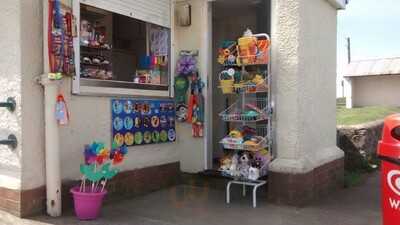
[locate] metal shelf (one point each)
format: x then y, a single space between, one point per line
254 111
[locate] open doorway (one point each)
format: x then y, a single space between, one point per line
230 19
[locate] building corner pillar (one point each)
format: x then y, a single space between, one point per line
308 164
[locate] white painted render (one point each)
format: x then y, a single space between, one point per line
304 74
194 37
32 94
10 86
376 90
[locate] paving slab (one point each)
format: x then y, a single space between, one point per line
188 205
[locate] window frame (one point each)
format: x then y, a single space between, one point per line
120 88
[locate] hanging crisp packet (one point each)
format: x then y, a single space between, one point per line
62 114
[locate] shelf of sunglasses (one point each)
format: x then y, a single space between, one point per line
91 48
96 65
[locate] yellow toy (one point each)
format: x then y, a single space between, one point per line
235 134
258 79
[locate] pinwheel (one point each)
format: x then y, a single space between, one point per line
98 163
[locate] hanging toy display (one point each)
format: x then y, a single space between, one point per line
196 106
185 67
181 88
62 114
61 31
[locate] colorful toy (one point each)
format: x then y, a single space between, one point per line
186 65
62 114
244 164
227 53
60 38
226 163
254 173
233 170
235 134
181 87
226 79
196 106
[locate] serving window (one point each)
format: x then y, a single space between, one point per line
121 52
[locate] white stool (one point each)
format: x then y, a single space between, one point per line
255 184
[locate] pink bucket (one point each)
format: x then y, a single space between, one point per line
87 205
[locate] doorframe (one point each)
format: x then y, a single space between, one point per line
208 123
208 59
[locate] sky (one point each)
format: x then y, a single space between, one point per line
373 27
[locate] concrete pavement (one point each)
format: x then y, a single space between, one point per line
187 205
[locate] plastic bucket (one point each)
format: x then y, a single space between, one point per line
87 205
227 86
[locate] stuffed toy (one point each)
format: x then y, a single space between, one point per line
226 162
244 164
254 173
234 170
261 160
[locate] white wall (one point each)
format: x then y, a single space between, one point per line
304 78
32 94
10 86
195 37
376 90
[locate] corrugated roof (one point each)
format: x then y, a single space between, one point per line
373 67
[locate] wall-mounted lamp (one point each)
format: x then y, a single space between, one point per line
184 15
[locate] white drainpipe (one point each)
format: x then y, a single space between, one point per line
53 176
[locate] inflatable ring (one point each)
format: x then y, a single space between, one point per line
171 135
128 123
129 139
119 139
128 107
117 107
155 136
163 121
138 138
146 121
147 137
138 122
155 121
163 136
118 124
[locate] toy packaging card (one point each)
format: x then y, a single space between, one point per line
140 122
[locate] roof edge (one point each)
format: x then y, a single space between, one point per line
338 4
370 75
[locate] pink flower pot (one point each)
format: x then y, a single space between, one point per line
87 205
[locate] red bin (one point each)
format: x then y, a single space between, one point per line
389 153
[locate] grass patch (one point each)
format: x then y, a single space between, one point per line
363 114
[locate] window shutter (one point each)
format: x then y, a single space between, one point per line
152 11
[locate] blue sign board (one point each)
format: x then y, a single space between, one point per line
140 122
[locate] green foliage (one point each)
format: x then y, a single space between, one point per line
352 178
